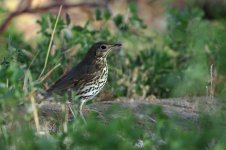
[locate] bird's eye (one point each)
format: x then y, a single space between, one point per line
103 47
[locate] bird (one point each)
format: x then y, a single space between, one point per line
88 77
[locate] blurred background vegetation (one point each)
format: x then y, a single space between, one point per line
171 48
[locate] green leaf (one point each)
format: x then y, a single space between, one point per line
107 14
98 14
133 8
118 20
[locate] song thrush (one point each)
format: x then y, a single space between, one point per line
88 77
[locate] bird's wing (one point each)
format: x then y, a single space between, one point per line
74 78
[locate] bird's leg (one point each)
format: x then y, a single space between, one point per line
69 101
80 110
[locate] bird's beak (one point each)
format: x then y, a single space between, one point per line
117 45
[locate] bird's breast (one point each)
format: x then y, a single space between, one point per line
92 88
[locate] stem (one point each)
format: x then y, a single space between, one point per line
50 43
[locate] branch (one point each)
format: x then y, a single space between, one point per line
19 12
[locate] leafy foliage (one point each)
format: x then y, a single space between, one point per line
175 63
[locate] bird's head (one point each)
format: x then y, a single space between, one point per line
101 49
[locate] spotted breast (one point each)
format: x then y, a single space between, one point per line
89 90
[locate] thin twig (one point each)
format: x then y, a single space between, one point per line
50 43
211 82
49 73
65 128
71 111
35 113
19 12
33 59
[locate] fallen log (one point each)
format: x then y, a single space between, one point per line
186 110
